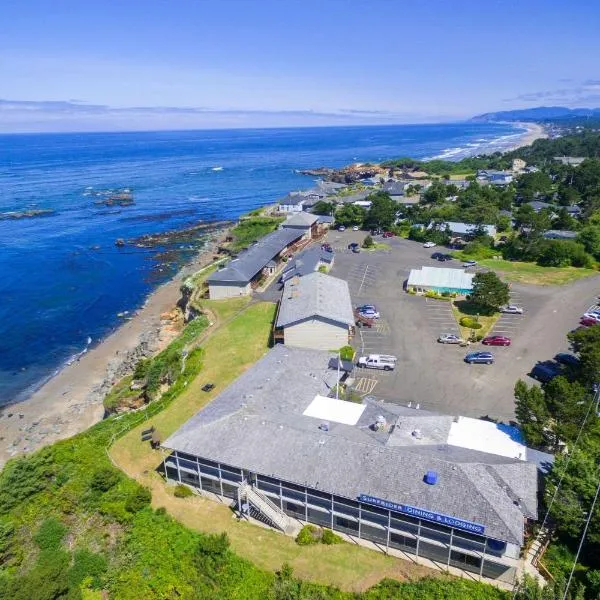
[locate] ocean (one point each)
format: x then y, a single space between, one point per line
63 281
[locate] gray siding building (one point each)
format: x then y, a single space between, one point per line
262 258
277 442
315 312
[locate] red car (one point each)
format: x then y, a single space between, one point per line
388 234
588 321
496 340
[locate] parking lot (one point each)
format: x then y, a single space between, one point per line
434 375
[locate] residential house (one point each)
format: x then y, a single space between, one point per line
307 262
315 312
558 234
304 222
537 205
243 273
571 161
292 203
495 177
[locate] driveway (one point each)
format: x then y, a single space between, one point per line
434 375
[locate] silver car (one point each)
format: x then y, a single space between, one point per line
511 309
450 338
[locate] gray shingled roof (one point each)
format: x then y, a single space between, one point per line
315 295
257 423
307 262
302 219
292 199
243 268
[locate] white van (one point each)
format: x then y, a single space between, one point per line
386 362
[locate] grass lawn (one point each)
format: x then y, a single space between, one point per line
231 348
524 272
377 246
464 309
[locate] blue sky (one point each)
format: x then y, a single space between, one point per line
133 64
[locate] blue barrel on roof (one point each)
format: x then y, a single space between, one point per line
431 477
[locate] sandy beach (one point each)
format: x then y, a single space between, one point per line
71 401
534 132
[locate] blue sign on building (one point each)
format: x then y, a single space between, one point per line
421 513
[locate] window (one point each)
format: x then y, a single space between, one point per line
373 534
209 470
268 487
188 463
186 456
189 478
318 501
319 517
230 491
172 474
294 509
210 485
346 525
465 561
403 542
403 525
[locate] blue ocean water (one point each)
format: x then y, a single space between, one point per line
63 280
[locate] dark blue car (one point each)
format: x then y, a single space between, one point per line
486 358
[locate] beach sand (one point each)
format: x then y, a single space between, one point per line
71 401
534 132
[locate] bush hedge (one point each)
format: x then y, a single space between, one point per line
183 491
470 323
308 535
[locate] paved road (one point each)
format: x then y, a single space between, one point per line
434 375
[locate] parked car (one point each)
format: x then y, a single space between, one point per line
588 322
363 307
429 245
545 371
388 234
353 245
564 358
486 358
356 249
591 316
445 257
370 314
355 228
327 247
450 338
436 255
496 340
511 309
385 362
469 263
341 228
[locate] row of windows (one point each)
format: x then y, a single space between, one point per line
372 532
343 506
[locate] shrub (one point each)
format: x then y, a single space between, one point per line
138 499
183 491
329 538
368 242
50 534
346 352
87 565
470 323
104 479
308 535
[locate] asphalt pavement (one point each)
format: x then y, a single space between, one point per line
434 375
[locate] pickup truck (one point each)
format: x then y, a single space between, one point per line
384 362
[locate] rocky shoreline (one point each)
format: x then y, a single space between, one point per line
72 400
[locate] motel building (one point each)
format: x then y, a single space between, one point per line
280 447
